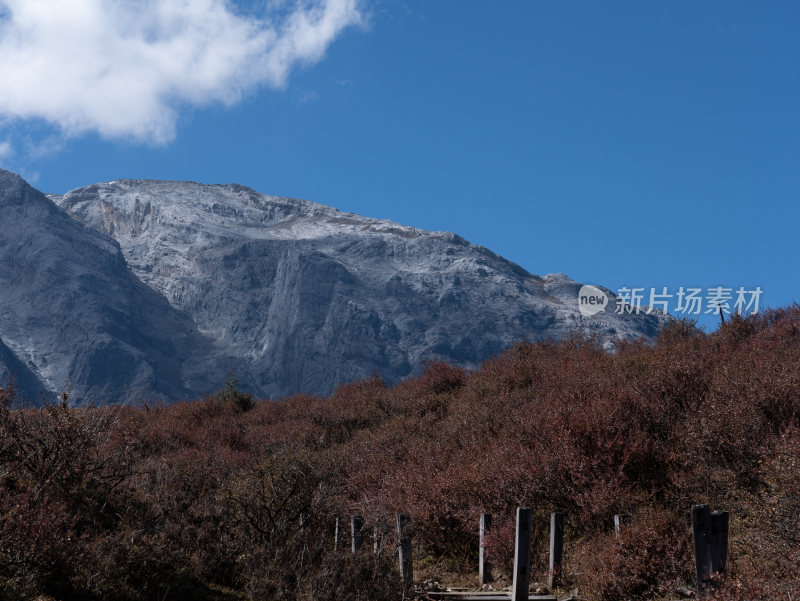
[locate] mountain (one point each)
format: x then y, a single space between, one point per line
148 289
297 297
72 314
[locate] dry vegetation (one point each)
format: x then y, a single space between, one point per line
203 500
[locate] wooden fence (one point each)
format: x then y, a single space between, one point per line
709 528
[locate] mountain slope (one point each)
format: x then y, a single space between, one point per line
301 296
73 314
11 367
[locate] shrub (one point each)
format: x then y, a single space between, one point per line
204 500
231 395
651 558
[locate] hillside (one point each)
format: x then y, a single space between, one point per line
204 500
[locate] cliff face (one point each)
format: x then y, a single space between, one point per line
139 289
73 314
298 297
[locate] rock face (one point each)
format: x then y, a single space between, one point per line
161 287
73 315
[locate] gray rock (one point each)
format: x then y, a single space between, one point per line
73 315
164 286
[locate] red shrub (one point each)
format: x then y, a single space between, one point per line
187 499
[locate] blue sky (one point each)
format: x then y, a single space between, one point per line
638 144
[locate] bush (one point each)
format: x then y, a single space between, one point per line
231 395
651 558
204 500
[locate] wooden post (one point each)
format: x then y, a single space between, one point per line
404 547
356 532
701 529
336 535
719 541
484 567
619 520
522 554
556 549
303 525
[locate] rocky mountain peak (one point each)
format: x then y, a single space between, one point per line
162 287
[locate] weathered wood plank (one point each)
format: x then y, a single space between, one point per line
404 549
486 596
356 532
484 567
556 549
701 530
719 541
336 535
522 554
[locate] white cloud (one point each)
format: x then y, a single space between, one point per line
125 68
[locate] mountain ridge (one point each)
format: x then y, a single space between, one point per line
296 296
